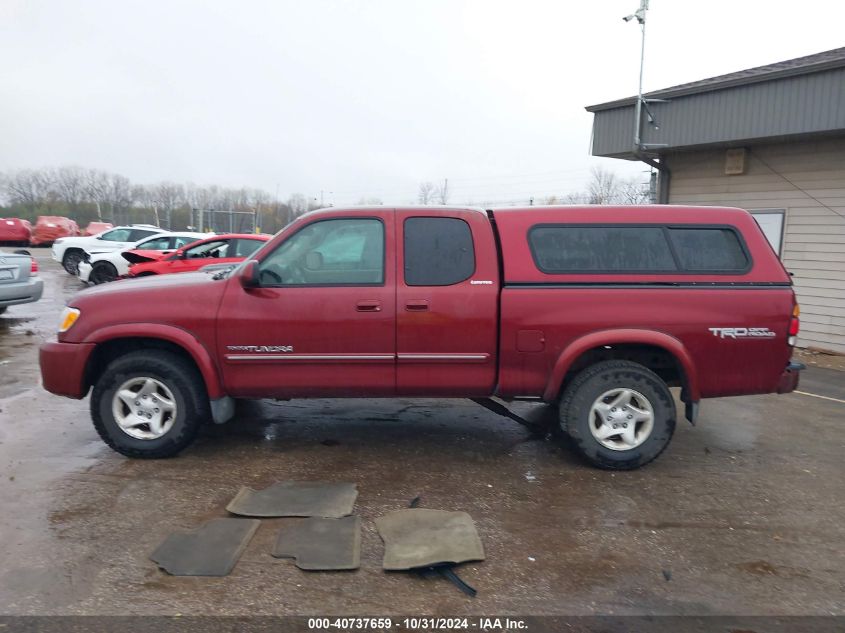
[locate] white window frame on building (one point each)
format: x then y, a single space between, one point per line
773 225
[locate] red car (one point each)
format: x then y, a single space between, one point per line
15 231
49 228
219 249
598 311
95 228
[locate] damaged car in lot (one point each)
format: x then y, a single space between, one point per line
19 280
597 311
69 251
99 267
230 248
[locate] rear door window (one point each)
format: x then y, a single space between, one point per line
438 251
215 249
708 249
179 241
139 234
155 244
245 248
601 249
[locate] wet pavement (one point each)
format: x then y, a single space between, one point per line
743 514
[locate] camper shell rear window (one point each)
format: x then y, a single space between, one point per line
638 249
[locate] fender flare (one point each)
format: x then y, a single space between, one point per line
171 334
619 337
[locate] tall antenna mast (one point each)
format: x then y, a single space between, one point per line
639 15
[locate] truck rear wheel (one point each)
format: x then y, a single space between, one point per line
619 414
149 404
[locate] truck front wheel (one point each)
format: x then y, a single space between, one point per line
148 404
619 414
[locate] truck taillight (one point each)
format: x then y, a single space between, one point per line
794 325
33 267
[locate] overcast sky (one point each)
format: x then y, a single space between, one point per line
366 98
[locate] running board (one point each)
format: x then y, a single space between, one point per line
499 409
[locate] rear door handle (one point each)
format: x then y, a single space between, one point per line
418 305
368 306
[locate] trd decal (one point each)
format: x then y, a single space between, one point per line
260 348
742 332
480 282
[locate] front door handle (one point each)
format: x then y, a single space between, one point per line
417 305
368 306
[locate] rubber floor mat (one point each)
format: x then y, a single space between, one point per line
296 499
210 550
421 537
320 544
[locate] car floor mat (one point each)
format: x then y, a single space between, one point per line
320 544
296 499
420 537
209 550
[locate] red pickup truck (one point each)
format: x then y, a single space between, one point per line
596 310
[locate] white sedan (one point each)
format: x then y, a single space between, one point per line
97 268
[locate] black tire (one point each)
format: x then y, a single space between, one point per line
70 261
102 272
180 377
585 389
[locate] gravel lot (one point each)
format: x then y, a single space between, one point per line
743 514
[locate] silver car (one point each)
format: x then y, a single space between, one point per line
19 280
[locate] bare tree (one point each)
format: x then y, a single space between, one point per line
442 194
96 189
27 187
633 191
426 193
298 204
603 186
69 183
170 196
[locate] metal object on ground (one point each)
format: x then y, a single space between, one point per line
210 550
420 537
296 499
320 544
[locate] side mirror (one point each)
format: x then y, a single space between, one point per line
249 275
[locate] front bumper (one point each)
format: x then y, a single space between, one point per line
63 368
789 379
21 291
84 271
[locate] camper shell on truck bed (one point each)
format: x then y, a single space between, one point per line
596 310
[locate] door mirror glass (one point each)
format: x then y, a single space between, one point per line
249 275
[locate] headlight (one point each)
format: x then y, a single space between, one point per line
68 318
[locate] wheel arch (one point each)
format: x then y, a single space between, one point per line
112 342
660 352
